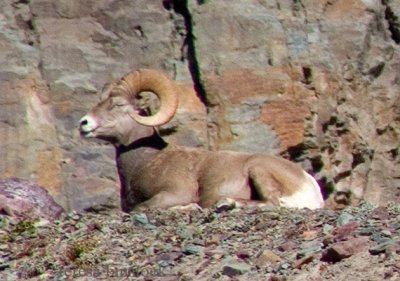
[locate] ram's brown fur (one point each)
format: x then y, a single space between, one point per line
155 174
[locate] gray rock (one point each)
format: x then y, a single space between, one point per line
344 218
327 228
236 268
384 246
191 249
253 137
141 218
309 248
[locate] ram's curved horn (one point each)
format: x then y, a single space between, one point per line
154 81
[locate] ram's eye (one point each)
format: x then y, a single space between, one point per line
117 103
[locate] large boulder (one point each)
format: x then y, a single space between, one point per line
26 200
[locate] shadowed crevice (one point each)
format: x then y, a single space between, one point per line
182 8
393 21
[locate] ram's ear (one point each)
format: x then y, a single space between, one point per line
107 86
105 92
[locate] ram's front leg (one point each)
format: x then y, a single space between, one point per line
163 200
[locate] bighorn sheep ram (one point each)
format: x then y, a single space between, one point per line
155 174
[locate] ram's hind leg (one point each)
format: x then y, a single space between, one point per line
264 186
163 200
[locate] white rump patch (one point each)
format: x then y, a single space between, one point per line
308 196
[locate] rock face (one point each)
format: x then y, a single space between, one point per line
315 81
25 200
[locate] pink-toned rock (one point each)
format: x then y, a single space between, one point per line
343 232
380 213
26 200
345 249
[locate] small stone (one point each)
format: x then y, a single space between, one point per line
310 235
41 223
213 239
327 228
396 225
141 218
284 266
367 231
74 215
169 257
273 216
4 266
379 237
309 248
344 249
382 247
380 213
267 257
190 249
229 259
186 233
344 231
215 254
235 269
304 260
149 250
150 226
225 205
287 246
243 254
344 218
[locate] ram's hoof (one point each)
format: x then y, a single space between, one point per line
189 207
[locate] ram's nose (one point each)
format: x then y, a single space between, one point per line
83 122
87 124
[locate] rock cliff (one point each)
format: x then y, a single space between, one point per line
317 81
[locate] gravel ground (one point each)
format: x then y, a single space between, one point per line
224 243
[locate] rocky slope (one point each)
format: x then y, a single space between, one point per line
224 243
316 81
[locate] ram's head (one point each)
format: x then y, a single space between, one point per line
118 118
